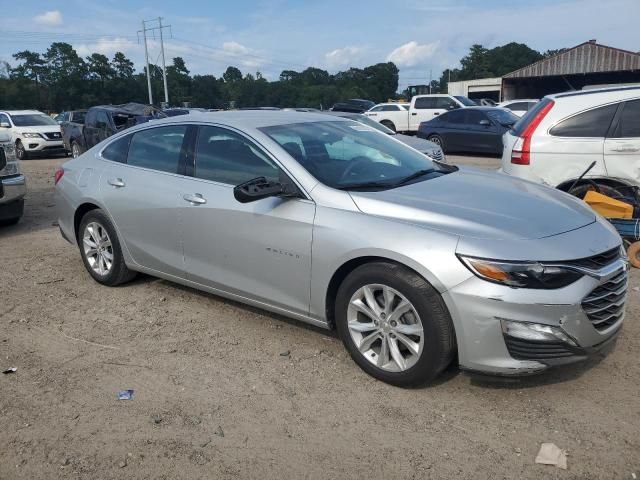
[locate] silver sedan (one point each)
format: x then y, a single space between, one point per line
328 221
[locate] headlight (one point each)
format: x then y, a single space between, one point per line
521 274
31 135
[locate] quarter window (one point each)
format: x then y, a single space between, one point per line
592 123
227 157
157 148
117 151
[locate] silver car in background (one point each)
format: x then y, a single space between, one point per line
328 221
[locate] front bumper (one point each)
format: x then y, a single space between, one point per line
12 192
40 145
478 308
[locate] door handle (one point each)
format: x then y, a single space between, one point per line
414 113
436 113
116 182
626 149
194 199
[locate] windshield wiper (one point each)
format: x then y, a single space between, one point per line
413 176
365 185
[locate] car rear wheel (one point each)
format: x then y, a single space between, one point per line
437 139
75 150
21 153
101 251
394 324
389 124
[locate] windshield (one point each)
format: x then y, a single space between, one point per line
78 117
503 117
348 155
32 120
372 123
465 101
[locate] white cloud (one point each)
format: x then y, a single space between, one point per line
107 46
412 53
235 48
343 57
52 19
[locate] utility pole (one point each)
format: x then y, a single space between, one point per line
152 29
164 68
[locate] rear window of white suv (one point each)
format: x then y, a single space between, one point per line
593 123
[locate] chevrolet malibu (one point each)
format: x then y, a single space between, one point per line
414 263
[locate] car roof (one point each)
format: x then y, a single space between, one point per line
482 108
595 91
250 118
23 112
516 100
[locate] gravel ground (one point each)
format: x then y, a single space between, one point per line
227 391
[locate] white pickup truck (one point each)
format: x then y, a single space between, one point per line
402 117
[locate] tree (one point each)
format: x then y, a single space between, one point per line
32 67
179 81
232 74
122 66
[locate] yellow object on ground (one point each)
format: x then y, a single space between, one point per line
608 207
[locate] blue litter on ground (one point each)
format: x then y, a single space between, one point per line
125 395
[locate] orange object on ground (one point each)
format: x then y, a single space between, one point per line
608 207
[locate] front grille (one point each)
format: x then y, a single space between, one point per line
529 350
53 135
605 305
596 262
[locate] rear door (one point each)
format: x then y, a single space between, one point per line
260 250
622 146
571 145
422 110
142 191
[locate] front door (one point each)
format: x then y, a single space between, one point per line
143 194
622 147
260 250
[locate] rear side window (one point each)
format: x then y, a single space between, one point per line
157 148
629 124
376 109
117 151
422 103
390 108
592 123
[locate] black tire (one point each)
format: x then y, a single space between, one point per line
9 221
389 124
439 336
437 139
21 153
119 273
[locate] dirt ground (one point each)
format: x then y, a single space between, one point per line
227 391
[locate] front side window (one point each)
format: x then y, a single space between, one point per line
228 157
32 120
349 155
629 124
445 103
157 148
102 119
592 123
117 151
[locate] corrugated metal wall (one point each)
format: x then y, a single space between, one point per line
585 58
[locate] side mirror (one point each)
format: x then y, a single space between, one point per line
259 188
5 125
453 106
485 123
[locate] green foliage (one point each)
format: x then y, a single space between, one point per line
60 80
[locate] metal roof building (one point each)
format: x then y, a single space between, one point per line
585 65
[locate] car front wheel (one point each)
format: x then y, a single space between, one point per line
101 251
394 324
21 152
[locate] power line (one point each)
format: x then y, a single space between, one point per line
153 29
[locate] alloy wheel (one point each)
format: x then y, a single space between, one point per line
75 150
97 248
385 327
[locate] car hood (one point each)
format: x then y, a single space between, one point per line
479 204
424 146
38 129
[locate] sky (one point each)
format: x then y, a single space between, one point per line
422 37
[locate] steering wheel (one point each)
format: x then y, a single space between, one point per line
354 163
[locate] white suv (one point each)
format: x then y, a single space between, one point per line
32 132
557 140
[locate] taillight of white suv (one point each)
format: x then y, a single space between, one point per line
524 130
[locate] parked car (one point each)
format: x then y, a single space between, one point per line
519 107
415 263
103 121
563 134
174 112
390 114
471 130
12 182
355 105
32 132
421 109
76 116
425 146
